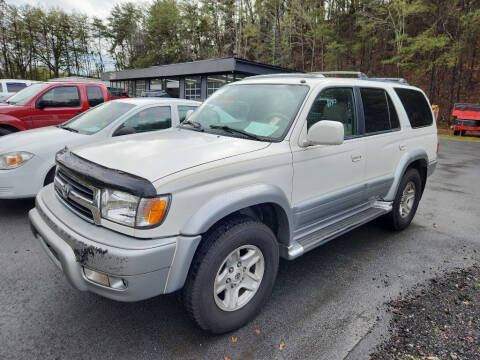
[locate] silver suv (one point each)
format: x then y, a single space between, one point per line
268 167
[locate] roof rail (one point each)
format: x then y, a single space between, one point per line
286 75
399 80
356 74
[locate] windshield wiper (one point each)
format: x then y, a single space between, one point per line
68 128
237 131
195 124
10 102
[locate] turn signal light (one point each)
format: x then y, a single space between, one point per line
154 211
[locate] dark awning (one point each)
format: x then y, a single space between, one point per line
200 67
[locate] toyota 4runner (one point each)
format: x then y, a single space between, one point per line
268 167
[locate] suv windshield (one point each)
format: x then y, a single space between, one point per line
262 110
97 118
21 97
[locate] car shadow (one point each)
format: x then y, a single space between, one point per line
16 207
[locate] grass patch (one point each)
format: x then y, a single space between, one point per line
460 138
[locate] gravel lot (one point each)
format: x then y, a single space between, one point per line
328 304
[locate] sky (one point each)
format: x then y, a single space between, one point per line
98 8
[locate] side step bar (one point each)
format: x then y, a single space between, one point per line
325 234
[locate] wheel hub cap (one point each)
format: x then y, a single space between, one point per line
239 278
407 200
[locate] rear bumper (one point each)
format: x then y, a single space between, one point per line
461 124
145 268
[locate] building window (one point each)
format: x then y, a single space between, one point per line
140 87
172 87
193 88
215 82
239 76
130 87
156 84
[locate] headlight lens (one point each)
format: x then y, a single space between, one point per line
133 211
13 160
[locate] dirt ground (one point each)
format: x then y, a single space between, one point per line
440 320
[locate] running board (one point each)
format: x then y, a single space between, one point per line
323 235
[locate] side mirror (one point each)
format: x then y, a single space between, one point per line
188 114
325 132
125 130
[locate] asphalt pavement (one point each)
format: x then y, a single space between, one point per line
328 304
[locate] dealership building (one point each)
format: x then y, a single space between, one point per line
194 80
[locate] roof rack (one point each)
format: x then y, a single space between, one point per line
325 74
356 74
399 80
280 75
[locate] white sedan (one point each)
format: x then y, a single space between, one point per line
27 158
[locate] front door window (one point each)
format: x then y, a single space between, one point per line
336 104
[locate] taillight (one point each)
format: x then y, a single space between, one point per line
438 144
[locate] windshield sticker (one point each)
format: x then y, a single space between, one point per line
261 129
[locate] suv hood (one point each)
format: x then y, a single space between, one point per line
158 154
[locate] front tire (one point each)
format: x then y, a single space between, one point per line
406 200
232 274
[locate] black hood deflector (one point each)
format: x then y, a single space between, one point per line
103 177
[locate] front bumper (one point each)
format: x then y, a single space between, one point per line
146 267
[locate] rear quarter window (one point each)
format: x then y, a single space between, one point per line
416 107
15 87
94 95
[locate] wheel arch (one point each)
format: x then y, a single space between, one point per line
264 202
12 123
258 201
417 159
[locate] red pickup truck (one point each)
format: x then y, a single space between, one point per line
45 104
466 117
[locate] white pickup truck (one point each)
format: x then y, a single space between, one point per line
268 167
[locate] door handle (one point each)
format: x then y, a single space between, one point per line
402 147
356 158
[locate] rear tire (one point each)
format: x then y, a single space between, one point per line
215 294
4 131
406 200
456 132
463 132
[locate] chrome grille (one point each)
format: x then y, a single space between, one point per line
77 195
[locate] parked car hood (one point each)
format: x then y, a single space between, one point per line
159 154
40 141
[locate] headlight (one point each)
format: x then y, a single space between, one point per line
14 159
133 211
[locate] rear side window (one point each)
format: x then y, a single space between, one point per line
416 106
379 111
14 87
182 111
151 119
94 95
